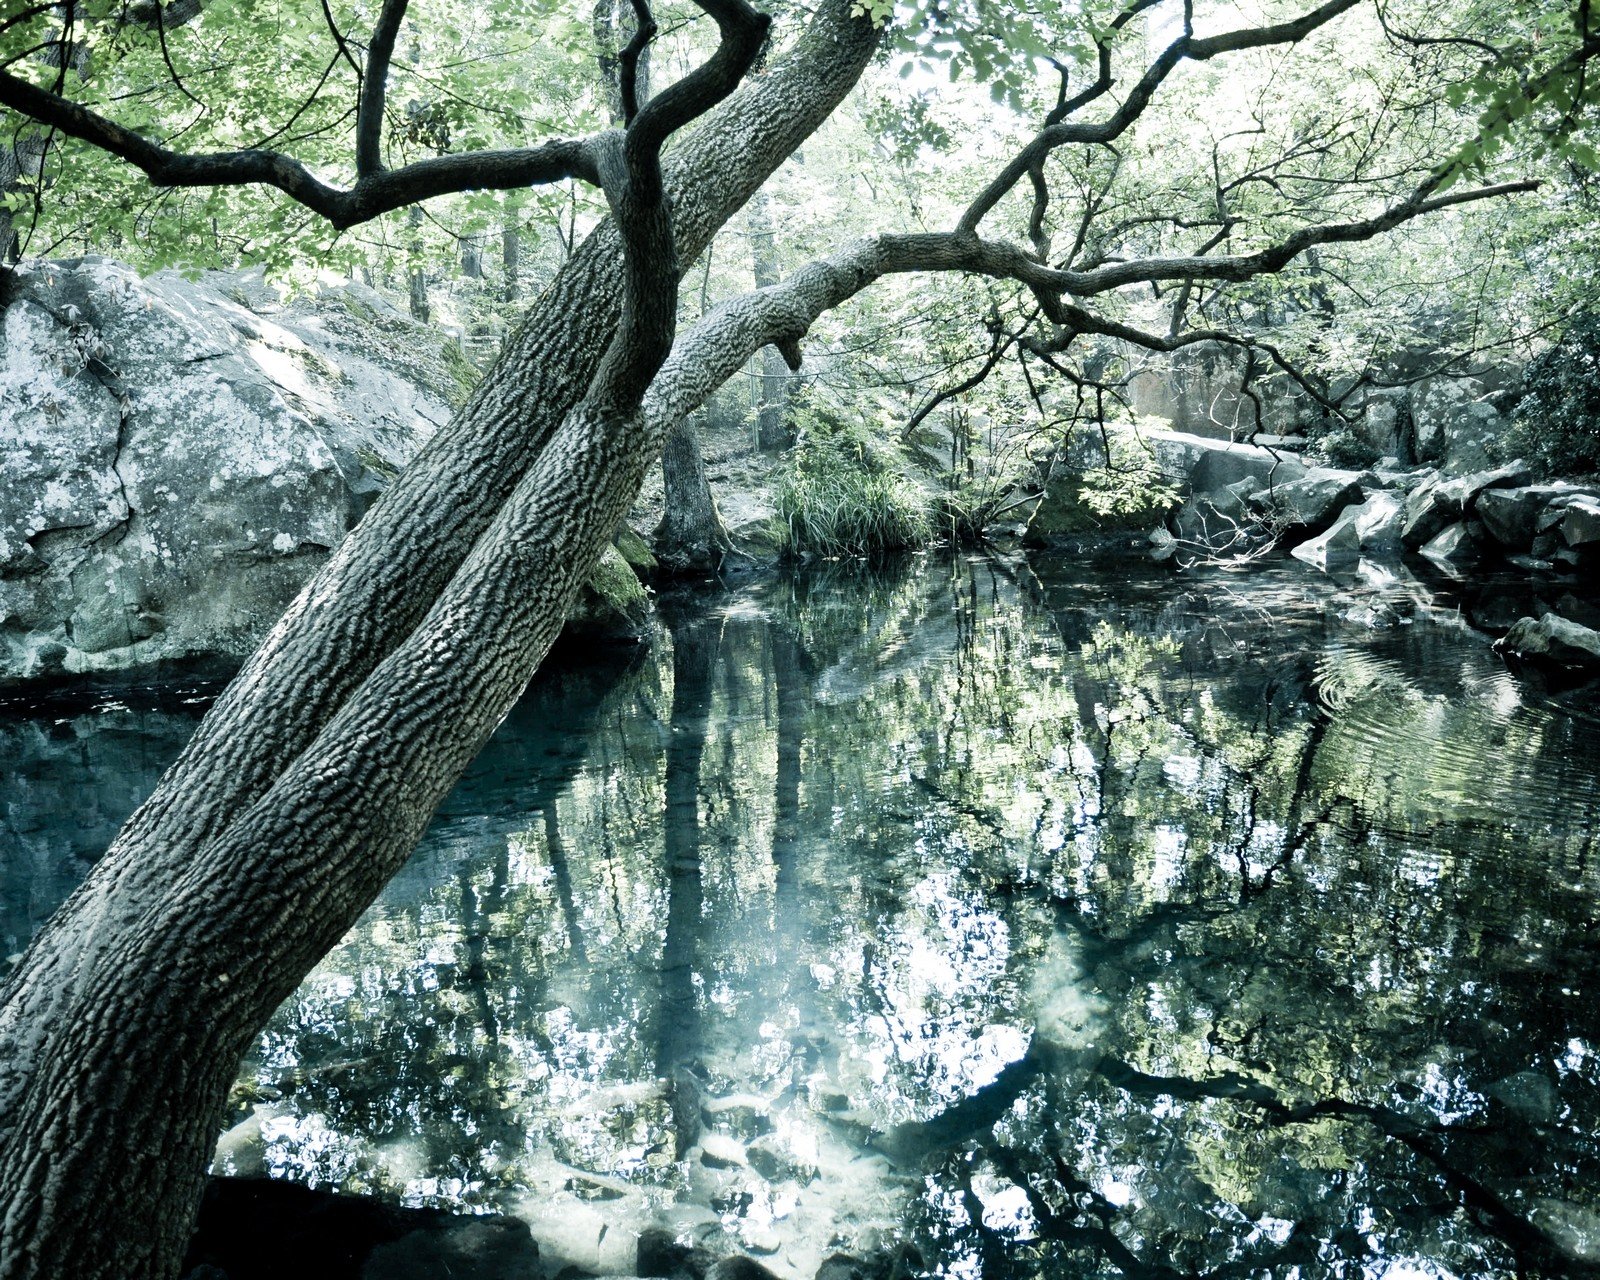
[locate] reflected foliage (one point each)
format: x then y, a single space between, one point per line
1048 921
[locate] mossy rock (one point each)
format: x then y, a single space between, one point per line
462 371
635 551
613 604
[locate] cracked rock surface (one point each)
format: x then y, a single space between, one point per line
176 456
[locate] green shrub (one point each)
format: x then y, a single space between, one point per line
1125 490
836 496
1556 423
1341 447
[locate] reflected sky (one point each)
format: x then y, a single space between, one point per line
1032 919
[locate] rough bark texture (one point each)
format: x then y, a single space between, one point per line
691 537
386 575
317 770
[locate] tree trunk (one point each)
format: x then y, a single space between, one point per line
510 258
472 257
312 777
774 432
691 537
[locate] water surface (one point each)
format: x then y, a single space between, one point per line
1031 919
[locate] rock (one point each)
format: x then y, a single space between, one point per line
718 1151
480 1248
773 1160
1436 504
1580 525
1551 641
1314 501
612 605
745 1115
635 551
1454 423
1513 515
1456 547
1337 548
1385 423
1373 525
662 1254
739 1268
180 456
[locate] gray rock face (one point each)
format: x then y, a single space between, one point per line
1441 502
178 457
1384 423
1314 501
1454 425
1552 641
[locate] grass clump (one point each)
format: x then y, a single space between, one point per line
838 496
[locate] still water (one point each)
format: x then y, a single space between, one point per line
1013 917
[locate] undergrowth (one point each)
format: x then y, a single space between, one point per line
838 496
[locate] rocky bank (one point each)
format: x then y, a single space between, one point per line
178 456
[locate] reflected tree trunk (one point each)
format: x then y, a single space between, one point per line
694 657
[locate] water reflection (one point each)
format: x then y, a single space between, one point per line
1051 922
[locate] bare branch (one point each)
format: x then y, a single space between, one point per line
628 60
373 194
1186 47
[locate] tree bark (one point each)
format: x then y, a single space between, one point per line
774 432
313 776
691 537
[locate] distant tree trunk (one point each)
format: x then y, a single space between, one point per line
510 258
472 257
691 537
416 277
773 429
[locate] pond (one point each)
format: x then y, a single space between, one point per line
1010 917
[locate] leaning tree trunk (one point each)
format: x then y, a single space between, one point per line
315 773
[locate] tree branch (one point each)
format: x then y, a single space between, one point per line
375 87
1185 48
373 193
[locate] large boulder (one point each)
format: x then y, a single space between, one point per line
1373 525
1454 423
181 455
1458 546
1313 501
1580 522
1514 517
1207 465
